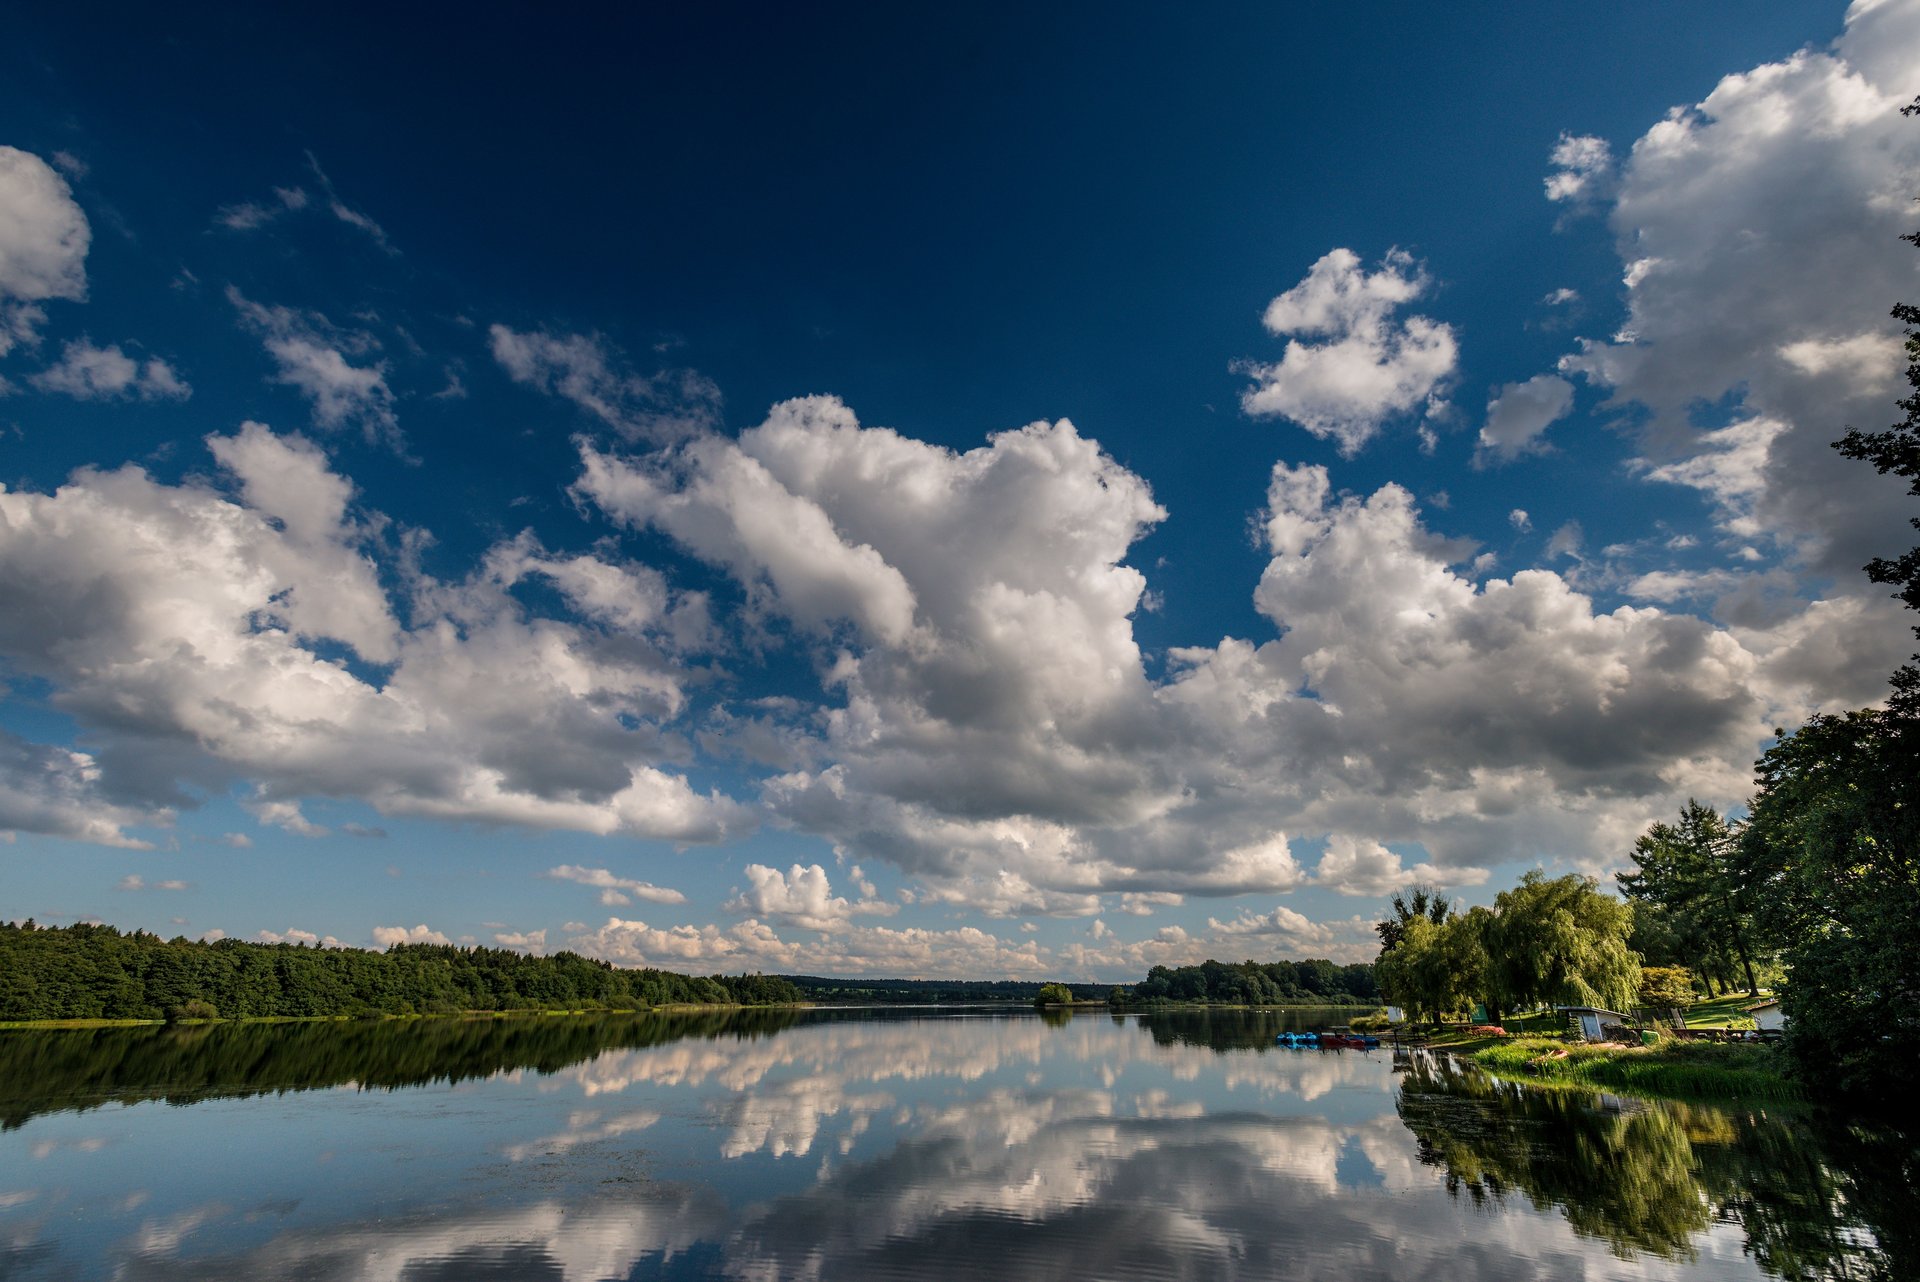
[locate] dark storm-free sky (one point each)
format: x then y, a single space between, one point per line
923 491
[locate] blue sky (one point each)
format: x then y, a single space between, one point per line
970 492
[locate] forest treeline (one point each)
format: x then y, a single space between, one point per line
88 971
821 988
97 972
1249 983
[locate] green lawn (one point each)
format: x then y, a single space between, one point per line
1722 1012
1535 1050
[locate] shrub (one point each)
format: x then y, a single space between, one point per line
1666 986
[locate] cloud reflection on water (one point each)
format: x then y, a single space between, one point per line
972 1147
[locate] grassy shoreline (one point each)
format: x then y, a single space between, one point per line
1670 1070
1667 1070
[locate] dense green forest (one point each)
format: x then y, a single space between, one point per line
819 988
96 972
1251 983
1220 983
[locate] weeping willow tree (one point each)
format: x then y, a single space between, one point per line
1560 940
1429 971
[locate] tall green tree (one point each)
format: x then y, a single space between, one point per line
1422 903
1561 940
1832 854
1405 971
1462 949
1436 971
1688 869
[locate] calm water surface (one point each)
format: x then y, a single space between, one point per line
841 1145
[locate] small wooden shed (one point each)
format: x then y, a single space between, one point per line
1591 1019
1767 1015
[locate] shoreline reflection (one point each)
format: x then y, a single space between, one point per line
851 1145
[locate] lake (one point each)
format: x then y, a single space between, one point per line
837 1144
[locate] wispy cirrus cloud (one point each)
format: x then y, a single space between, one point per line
89 373
616 891
311 355
588 371
134 881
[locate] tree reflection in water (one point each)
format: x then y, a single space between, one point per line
1815 1200
58 1070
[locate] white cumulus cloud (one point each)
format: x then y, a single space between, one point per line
1759 235
1583 170
991 730
57 792
1351 364
801 896
1356 866
180 625
43 245
389 936
1520 412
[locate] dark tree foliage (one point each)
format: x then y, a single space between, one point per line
1832 857
1897 450
97 972
1423 904
1250 983
1688 871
